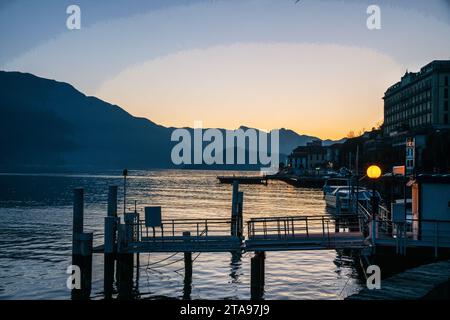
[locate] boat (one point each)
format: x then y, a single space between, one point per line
346 196
333 183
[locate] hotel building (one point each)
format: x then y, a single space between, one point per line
418 100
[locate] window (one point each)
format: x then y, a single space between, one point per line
446 81
446 105
446 93
446 118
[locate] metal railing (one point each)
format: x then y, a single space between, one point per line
177 228
363 212
301 226
434 233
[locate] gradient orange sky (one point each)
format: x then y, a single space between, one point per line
322 90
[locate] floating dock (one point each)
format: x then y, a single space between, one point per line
243 179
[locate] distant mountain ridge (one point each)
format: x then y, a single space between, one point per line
45 124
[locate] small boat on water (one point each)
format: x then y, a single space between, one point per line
333 183
345 195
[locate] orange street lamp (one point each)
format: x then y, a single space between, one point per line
374 172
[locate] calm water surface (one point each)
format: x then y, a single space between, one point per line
36 222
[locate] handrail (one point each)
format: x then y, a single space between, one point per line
429 232
304 226
176 227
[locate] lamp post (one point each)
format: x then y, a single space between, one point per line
374 173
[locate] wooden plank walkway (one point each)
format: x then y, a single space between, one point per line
412 284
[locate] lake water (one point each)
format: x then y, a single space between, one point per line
36 235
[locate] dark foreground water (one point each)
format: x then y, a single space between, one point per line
36 234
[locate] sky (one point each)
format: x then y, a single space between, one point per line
313 67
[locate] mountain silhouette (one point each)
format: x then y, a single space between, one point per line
48 125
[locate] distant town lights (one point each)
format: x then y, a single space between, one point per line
374 172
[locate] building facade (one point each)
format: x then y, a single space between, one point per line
309 158
419 100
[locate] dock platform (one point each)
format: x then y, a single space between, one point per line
243 179
131 234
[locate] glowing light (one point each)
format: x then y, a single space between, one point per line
374 172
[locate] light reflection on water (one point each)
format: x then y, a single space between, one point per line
36 221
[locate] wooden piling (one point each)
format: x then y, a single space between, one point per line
187 271
81 248
112 201
125 260
234 208
109 256
257 277
240 215
110 242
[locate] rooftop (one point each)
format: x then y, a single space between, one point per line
411 77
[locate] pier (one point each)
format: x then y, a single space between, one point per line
294 180
132 234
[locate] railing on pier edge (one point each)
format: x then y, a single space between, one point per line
302 232
322 232
413 233
183 235
410 233
278 233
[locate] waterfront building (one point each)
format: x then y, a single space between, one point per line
419 99
309 158
430 205
416 113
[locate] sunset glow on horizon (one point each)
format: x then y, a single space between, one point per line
266 86
313 67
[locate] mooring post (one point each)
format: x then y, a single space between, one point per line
81 248
109 256
234 208
112 201
240 215
187 269
257 278
125 259
110 242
